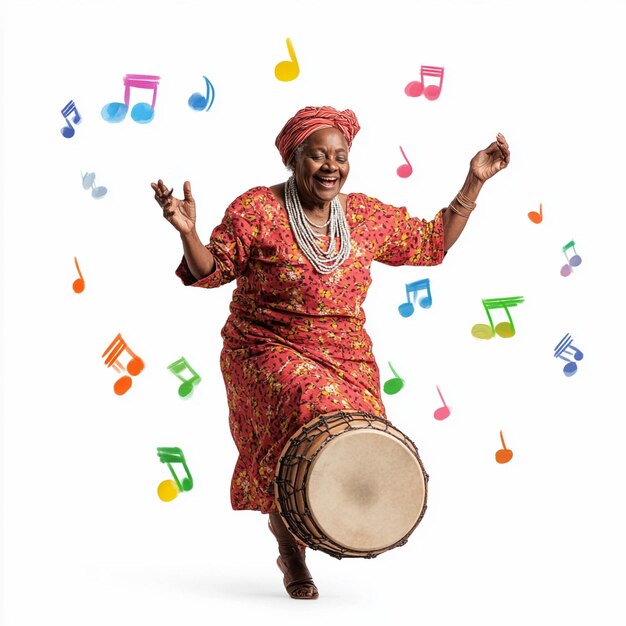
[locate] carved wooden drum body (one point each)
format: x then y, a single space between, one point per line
351 484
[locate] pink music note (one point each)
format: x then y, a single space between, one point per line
142 112
134 366
417 88
68 131
405 170
443 411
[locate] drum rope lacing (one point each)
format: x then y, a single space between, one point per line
294 519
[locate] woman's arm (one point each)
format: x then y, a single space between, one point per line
483 166
181 214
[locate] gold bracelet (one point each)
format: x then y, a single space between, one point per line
455 210
465 202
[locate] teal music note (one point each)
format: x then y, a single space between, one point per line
175 455
406 308
186 388
503 329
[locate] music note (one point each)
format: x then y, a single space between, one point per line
406 308
575 261
68 131
503 329
443 411
535 217
169 489
504 455
288 70
393 385
198 102
79 284
431 92
186 388
89 182
134 366
142 112
405 170
565 347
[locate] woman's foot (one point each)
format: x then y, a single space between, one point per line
296 576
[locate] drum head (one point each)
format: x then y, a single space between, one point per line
367 490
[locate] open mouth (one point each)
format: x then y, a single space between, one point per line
325 181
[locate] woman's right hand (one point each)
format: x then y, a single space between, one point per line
181 214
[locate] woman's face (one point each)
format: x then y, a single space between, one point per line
321 167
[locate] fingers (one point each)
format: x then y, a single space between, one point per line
187 191
504 148
162 195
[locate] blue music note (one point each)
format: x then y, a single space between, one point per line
565 347
68 131
406 308
198 102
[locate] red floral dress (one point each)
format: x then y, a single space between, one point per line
294 343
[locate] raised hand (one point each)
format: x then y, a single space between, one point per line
181 214
491 160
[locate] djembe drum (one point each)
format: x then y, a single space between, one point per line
350 484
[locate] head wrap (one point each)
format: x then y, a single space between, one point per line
306 121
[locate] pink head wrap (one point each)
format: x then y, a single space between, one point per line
306 121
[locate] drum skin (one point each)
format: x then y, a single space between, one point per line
351 484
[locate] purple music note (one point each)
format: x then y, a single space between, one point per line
575 261
142 112
68 131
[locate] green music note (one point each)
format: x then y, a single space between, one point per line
175 455
503 329
186 388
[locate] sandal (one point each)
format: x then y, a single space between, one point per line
296 576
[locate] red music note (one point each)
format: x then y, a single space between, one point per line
430 92
405 170
134 366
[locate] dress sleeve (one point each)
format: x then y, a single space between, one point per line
405 240
230 245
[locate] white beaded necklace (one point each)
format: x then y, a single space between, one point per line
327 261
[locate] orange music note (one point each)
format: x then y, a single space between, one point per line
430 92
79 284
288 70
133 367
535 217
405 170
504 455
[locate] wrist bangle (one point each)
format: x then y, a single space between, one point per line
464 214
465 202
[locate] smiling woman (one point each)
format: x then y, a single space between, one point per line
295 347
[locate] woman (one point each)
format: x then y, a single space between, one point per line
294 344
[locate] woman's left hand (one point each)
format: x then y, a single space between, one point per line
491 160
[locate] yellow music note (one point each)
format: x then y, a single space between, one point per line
288 70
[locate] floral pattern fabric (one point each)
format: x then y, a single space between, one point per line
295 345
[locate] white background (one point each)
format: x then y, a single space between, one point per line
85 538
